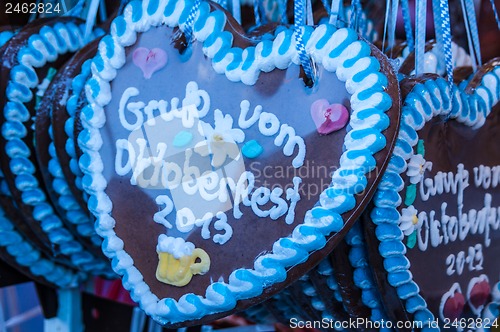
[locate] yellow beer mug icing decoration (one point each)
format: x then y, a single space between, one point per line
178 261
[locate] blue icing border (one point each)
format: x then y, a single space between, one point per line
66 200
30 257
338 51
362 276
77 86
73 212
317 303
41 48
425 101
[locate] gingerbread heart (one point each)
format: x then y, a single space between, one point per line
435 206
30 61
181 167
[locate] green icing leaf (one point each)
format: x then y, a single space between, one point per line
420 147
411 194
412 240
51 73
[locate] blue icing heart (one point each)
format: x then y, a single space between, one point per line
183 138
252 149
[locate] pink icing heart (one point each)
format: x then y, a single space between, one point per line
454 306
479 293
149 61
328 118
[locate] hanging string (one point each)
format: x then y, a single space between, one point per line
392 24
102 11
189 25
299 42
361 20
256 12
420 26
495 11
77 9
33 15
310 18
471 20
284 18
386 23
405 10
469 37
91 17
355 14
335 10
446 33
235 9
65 9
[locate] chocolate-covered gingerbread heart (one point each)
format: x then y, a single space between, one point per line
29 62
436 220
19 246
198 179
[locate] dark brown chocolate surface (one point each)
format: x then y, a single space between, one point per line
280 92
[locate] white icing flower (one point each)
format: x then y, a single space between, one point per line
416 168
221 140
409 220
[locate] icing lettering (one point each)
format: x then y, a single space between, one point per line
151 165
440 228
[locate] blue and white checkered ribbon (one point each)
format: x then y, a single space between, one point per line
420 26
444 13
284 17
256 12
299 14
495 11
189 25
405 10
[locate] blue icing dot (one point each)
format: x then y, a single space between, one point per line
183 138
252 149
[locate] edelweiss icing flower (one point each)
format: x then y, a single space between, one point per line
416 168
220 141
409 220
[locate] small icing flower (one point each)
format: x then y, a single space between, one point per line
409 220
220 141
416 168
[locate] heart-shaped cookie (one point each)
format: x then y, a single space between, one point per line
436 208
29 62
19 245
184 173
